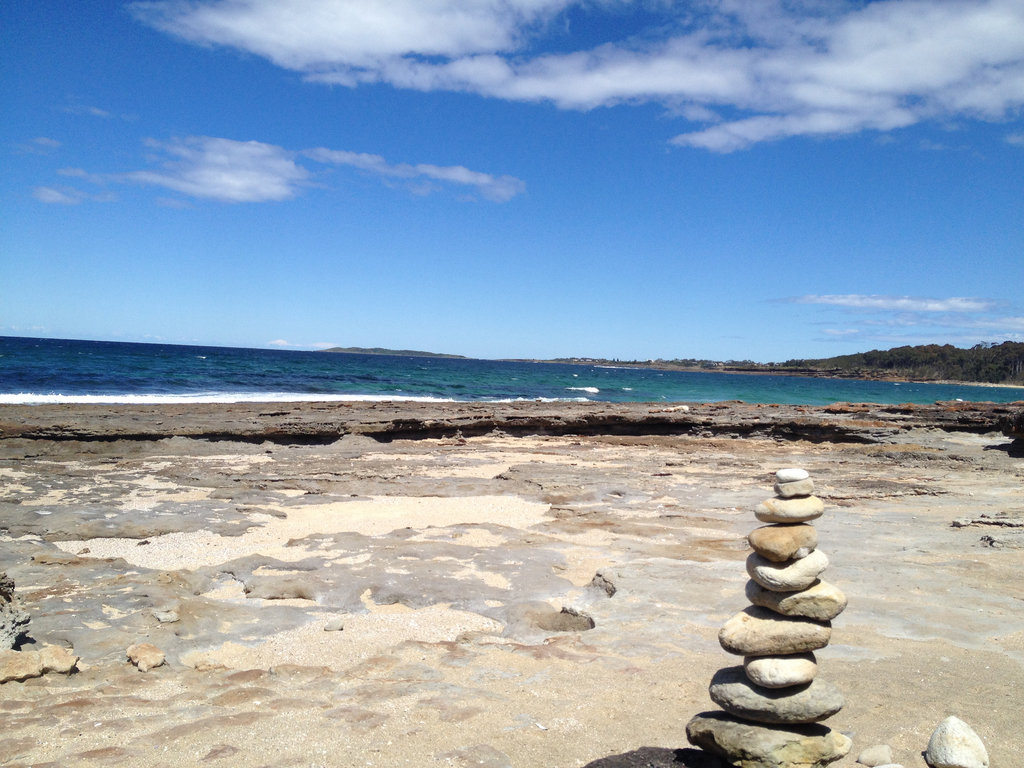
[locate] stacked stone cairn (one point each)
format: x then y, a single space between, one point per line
774 703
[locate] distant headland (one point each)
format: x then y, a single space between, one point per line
1000 364
995 364
394 352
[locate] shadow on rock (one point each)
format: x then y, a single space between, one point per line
659 757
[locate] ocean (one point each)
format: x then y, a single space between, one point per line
36 371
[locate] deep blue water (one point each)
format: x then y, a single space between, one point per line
55 370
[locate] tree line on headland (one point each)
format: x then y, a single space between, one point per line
984 363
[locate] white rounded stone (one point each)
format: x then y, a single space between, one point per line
954 744
791 475
781 671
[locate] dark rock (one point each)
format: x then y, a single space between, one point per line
603 583
13 620
659 757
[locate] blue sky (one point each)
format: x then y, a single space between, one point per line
717 179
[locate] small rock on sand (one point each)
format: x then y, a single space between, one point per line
22 665
145 656
879 754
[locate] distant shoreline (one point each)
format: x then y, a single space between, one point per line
390 352
801 373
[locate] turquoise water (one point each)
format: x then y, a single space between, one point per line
55 370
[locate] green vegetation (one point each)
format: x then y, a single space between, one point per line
984 363
989 363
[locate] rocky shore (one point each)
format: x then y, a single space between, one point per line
503 585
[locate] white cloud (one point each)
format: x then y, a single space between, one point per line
497 188
777 68
350 36
58 196
224 169
250 171
68 196
82 109
41 145
278 343
914 320
900 303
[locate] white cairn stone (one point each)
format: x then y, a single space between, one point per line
791 576
791 475
780 671
954 744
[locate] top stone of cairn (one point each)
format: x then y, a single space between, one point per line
791 475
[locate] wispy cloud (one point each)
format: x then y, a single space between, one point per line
223 169
497 188
65 195
900 303
89 111
772 69
230 171
41 145
879 319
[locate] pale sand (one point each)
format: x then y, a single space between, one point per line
372 517
362 637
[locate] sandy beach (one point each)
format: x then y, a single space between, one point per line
413 584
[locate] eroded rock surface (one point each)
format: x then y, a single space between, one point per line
230 537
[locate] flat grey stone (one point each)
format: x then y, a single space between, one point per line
733 691
752 745
795 488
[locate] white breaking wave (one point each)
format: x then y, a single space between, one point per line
29 398
590 390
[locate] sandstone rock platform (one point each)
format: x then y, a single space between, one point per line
146 524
